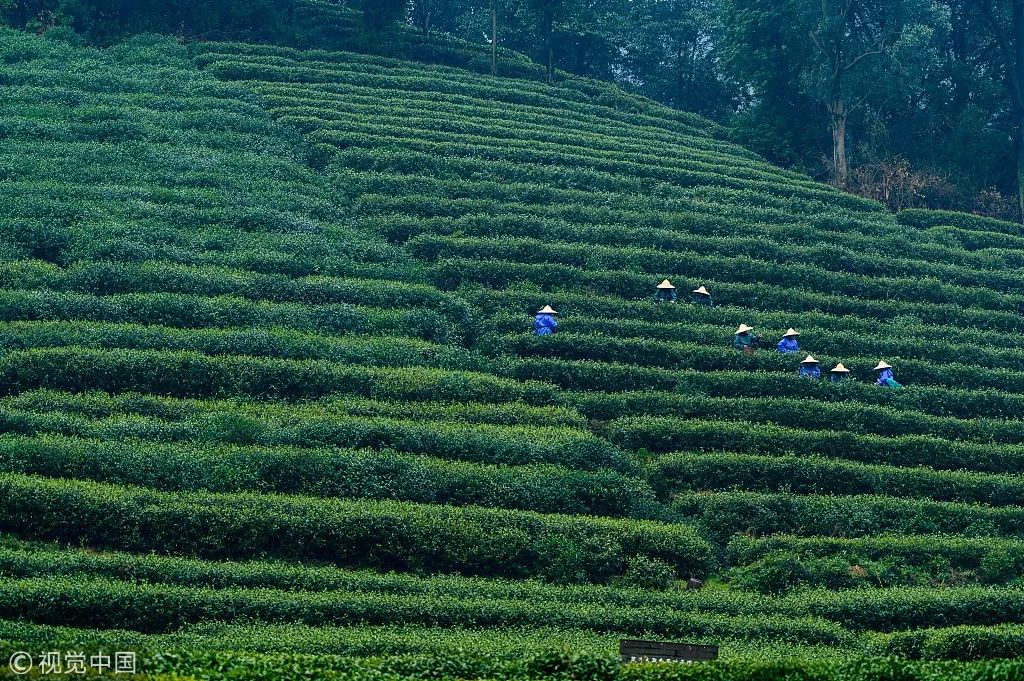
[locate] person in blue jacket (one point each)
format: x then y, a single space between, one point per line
666 292
789 344
544 323
809 368
700 296
839 374
885 378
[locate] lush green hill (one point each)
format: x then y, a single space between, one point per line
268 384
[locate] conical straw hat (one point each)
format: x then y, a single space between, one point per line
546 310
743 329
703 291
810 360
840 369
883 365
666 284
791 332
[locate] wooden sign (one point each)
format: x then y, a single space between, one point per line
655 651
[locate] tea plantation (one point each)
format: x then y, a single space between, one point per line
271 400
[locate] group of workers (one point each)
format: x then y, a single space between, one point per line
746 341
544 324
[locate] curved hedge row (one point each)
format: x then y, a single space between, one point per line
800 475
663 434
478 443
722 357
280 343
193 311
184 374
329 473
600 261
112 604
450 273
382 535
101 405
724 514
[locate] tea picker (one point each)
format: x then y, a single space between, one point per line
544 323
789 343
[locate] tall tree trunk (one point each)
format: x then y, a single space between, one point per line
494 38
839 116
1011 44
1018 96
549 27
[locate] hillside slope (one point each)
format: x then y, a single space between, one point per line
268 382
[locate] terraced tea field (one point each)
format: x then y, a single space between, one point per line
268 381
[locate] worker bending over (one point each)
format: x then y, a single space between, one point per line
700 296
666 292
789 343
809 368
745 340
544 323
839 374
885 378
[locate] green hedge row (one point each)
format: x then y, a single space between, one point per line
451 273
767 242
666 434
107 278
102 405
281 343
191 311
720 356
583 375
998 559
958 643
801 475
727 212
946 345
724 514
923 219
184 374
478 443
152 609
437 118
333 473
912 607
891 420
375 534
701 265
365 130
22 560
639 317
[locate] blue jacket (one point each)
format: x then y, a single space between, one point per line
886 380
810 371
544 324
788 345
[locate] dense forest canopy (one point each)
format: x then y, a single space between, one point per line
918 103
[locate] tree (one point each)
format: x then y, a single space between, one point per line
842 54
1005 22
547 10
380 14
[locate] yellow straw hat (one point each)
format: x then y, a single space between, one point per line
882 365
791 332
810 360
840 369
546 310
703 291
666 284
743 329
